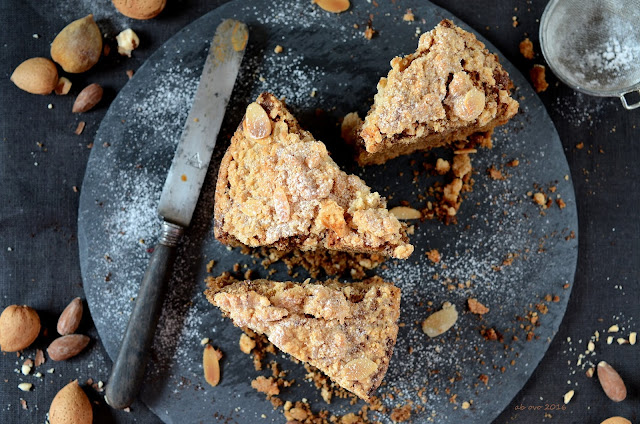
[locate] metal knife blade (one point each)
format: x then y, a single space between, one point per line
177 202
189 167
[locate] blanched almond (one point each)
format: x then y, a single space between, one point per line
405 212
257 124
359 369
211 364
440 321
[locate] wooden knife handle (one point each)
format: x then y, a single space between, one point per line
128 370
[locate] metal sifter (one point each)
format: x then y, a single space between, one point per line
594 46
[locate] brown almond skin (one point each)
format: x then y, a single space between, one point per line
78 46
71 406
37 75
19 327
66 347
70 318
611 382
140 9
87 98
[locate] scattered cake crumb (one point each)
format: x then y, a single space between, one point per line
526 48
408 16
538 78
266 385
278 49
477 307
401 413
434 255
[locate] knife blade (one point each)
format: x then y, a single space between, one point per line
177 202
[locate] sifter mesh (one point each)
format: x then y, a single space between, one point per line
593 45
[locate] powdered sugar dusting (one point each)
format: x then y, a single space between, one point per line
497 219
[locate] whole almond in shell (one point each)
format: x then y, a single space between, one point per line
78 46
616 420
611 382
37 75
70 318
87 99
71 406
19 327
68 346
140 9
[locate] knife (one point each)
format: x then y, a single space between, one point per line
177 202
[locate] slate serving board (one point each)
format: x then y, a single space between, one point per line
505 251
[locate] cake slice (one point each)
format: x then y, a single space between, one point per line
348 331
278 186
450 88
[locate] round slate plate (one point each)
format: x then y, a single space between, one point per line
505 251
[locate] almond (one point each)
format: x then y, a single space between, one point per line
63 86
616 420
37 76
128 41
71 406
405 212
70 318
211 364
441 321
257 124
359 369
19 327
66 347
140 9
611 382
78 46
87 99
333 6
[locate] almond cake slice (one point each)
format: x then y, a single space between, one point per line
348 331
448 89
278 187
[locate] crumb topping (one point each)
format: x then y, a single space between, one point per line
346 330
283 189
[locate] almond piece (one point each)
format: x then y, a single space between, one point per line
63 86
128 41
359 369
333 6
37 75
616 420
70 318
440 321
87 99
405 212
66 347
211 364
256 124
611 382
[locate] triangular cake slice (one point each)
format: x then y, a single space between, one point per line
278 186
450 88
348 331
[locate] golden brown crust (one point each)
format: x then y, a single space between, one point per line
285 191
449 89
348 331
